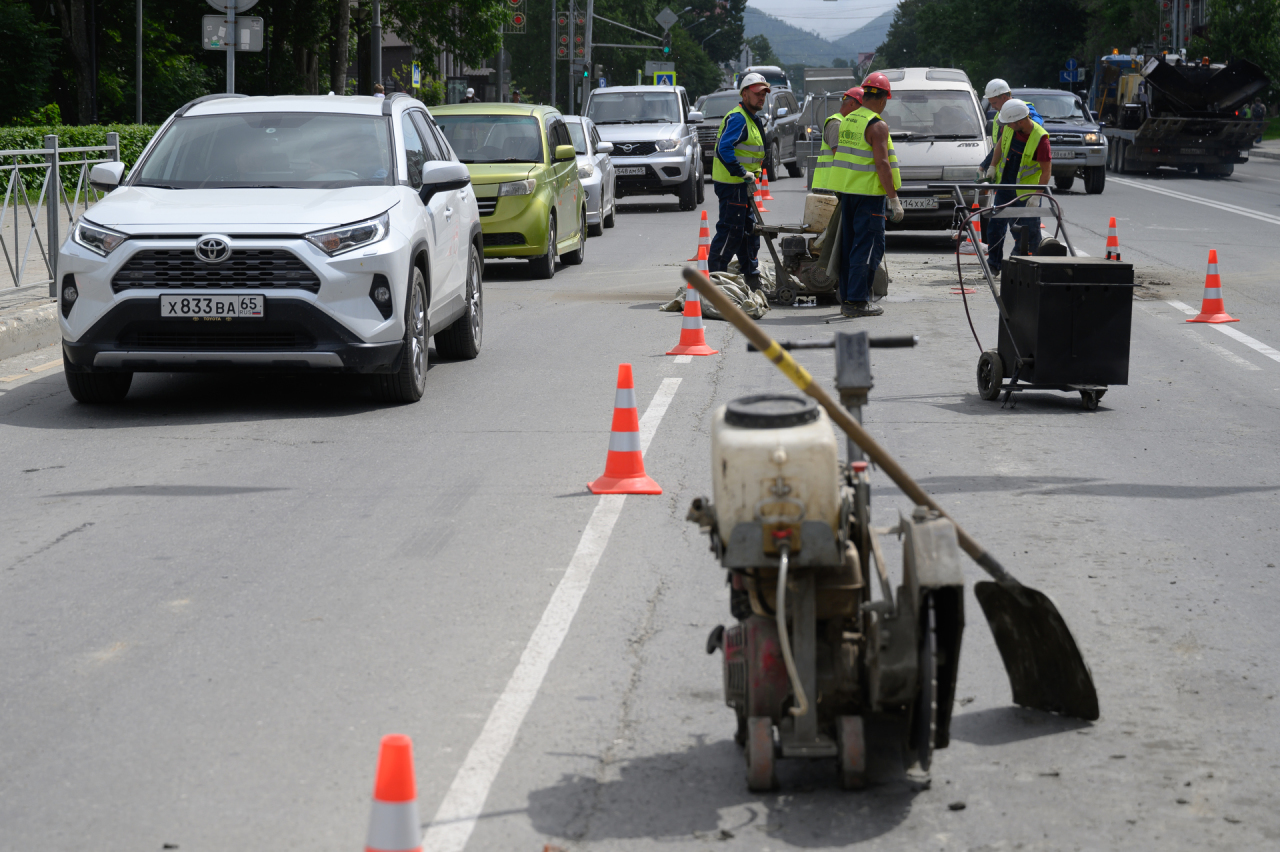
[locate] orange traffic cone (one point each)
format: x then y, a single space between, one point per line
704 241
760 199
1113 241
1212 309
765 194
693 339
393 824
624 466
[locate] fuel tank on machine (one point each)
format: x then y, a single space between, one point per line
773 457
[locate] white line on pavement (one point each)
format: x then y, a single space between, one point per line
684 359
457 815
1234 334
1230 208
1224 352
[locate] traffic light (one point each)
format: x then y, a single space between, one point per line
666 43
579 48
599 70
562 35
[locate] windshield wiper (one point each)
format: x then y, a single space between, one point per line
902 134
949 136
258 186
159 186
617 121
656 121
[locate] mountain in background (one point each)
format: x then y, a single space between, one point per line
796 46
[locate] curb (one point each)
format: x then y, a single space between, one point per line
1266 155
28 330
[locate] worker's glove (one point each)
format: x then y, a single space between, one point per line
991 173
750 178
895 210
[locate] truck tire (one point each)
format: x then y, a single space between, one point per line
771 164
1217 169
1095 178
688 193
1064 182
794 169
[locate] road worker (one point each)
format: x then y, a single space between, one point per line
850 101
998 94
1023 158
864 173
738 163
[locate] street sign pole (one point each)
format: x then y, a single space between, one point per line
231 49
555 37
573 13
139 61
375 57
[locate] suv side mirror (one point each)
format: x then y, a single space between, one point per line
564 152
440 176
105 177
695 117
604 147
782 112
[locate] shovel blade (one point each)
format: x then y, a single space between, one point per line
1046 670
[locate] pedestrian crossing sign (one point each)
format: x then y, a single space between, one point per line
664 78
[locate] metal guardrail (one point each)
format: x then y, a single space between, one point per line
58 178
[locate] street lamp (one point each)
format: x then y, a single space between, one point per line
708 38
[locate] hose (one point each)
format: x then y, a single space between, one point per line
784 554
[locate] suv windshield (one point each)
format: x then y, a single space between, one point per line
288 150
493 138
933 115
1055 107
718 106
634 108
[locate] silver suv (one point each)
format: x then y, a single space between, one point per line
655 142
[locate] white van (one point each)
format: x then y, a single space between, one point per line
938 134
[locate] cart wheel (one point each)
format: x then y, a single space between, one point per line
760 777
740 735
990 375
1100 392
924 723
784 296
852 744
1089 399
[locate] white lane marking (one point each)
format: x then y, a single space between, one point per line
1230 208
1224 352
1233 333
684 359
1080 253
456 818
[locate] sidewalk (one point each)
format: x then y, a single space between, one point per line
1269 150
28 319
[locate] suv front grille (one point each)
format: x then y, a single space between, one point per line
176 335
488 206
638 149
1066 139
707 134
259 269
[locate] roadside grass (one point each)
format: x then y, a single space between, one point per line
1272 129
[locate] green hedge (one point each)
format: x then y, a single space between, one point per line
133 137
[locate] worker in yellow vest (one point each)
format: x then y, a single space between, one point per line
850 101
738 162
1023 158
864 173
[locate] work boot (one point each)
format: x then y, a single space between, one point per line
860 309
752 280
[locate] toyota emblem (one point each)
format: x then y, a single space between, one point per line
213 249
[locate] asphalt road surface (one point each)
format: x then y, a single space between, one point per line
216 597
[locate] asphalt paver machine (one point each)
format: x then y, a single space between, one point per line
825 649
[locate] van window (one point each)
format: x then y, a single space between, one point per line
946 75
933 115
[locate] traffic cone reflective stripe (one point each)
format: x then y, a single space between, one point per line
760 199
1113 241
765 194
693 338
704 241
393 822
1211 307
624 466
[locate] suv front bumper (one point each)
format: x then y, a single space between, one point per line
1081 155
663 173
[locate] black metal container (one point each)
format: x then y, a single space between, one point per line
1070 318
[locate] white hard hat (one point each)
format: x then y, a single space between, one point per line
1013 111
996 87
470 92
752 79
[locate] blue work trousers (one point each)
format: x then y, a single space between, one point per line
998 229
862 221
735 230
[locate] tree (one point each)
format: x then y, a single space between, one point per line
470 30
761 51
840 63
27 55
75 36
1247 29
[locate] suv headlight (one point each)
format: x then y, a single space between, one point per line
96 238
347 237
517 187
1091 139
964 173
586 171
666 144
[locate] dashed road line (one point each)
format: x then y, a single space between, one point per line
456 818
31 370
1224 352
1233 333
1196 199
684 359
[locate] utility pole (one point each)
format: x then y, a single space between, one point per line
573 13
555 36
231 48
586 42
375 58
138 86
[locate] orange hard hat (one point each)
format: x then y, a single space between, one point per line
855 93
876 80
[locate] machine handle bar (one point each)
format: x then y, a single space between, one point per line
901 341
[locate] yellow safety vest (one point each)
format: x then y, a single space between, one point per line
853 167
1028 168
750 151
822 168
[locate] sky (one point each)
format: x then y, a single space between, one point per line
830 19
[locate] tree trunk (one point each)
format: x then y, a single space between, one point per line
341 44
75 32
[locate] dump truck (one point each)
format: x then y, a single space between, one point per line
1168 111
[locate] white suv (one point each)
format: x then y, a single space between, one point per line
276 233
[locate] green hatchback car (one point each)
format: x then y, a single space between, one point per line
525 176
